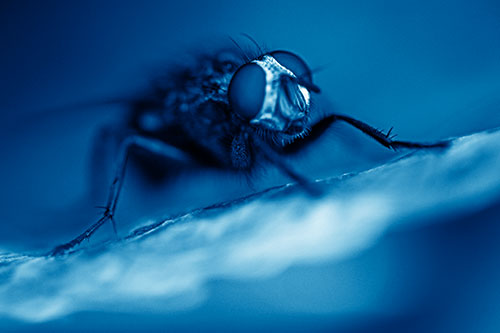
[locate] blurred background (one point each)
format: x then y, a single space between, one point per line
429 68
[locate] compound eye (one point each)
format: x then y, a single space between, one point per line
247 90
298 67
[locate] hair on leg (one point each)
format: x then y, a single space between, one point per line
386 139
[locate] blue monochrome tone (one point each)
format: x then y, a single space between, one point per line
246 149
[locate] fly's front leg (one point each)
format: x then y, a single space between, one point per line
319 128
386 139
151 145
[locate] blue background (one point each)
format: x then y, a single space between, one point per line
431 69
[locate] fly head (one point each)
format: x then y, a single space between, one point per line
273 94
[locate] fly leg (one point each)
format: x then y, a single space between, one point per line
274 158
151 145
105 149
319 128
386 139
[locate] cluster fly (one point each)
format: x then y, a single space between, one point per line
231 111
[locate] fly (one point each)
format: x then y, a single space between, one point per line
232 112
